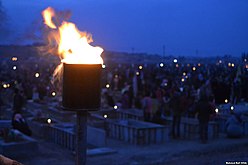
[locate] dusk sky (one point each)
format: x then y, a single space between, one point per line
209 27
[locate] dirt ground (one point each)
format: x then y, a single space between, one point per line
175 152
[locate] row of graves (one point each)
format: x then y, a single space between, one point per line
48 121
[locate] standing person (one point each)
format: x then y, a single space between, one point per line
18 101
147 106
176 114
204 110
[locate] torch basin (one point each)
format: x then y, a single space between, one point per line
81 87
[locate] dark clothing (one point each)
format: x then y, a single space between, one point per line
204 110
176 126
203 126
176 105
21 125
18 103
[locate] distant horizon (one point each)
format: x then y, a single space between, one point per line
163 27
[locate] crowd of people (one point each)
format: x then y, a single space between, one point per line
166 89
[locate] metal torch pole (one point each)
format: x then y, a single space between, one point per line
81 137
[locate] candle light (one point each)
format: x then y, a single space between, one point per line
37 75
161 65
53 94
14 58
49 121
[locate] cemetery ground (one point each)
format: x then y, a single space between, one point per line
220 150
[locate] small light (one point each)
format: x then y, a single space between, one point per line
105 116
53 94
184 73
220 61
226 101
199 64
14 67
165 84
186 77
115 107
116 76
14 58
107 85
177 65
137 73
194 68
49 121
103 66
140 67
232 108
8 85
233 65
216 110
161 65
182 80
245 60
37 75
229 64
5 86
175 60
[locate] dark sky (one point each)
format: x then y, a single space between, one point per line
209 27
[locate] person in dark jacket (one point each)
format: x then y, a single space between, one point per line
204 110
176 115
19 123
18 101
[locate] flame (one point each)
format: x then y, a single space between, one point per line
47 15
73 45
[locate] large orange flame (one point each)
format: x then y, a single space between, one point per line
73 45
